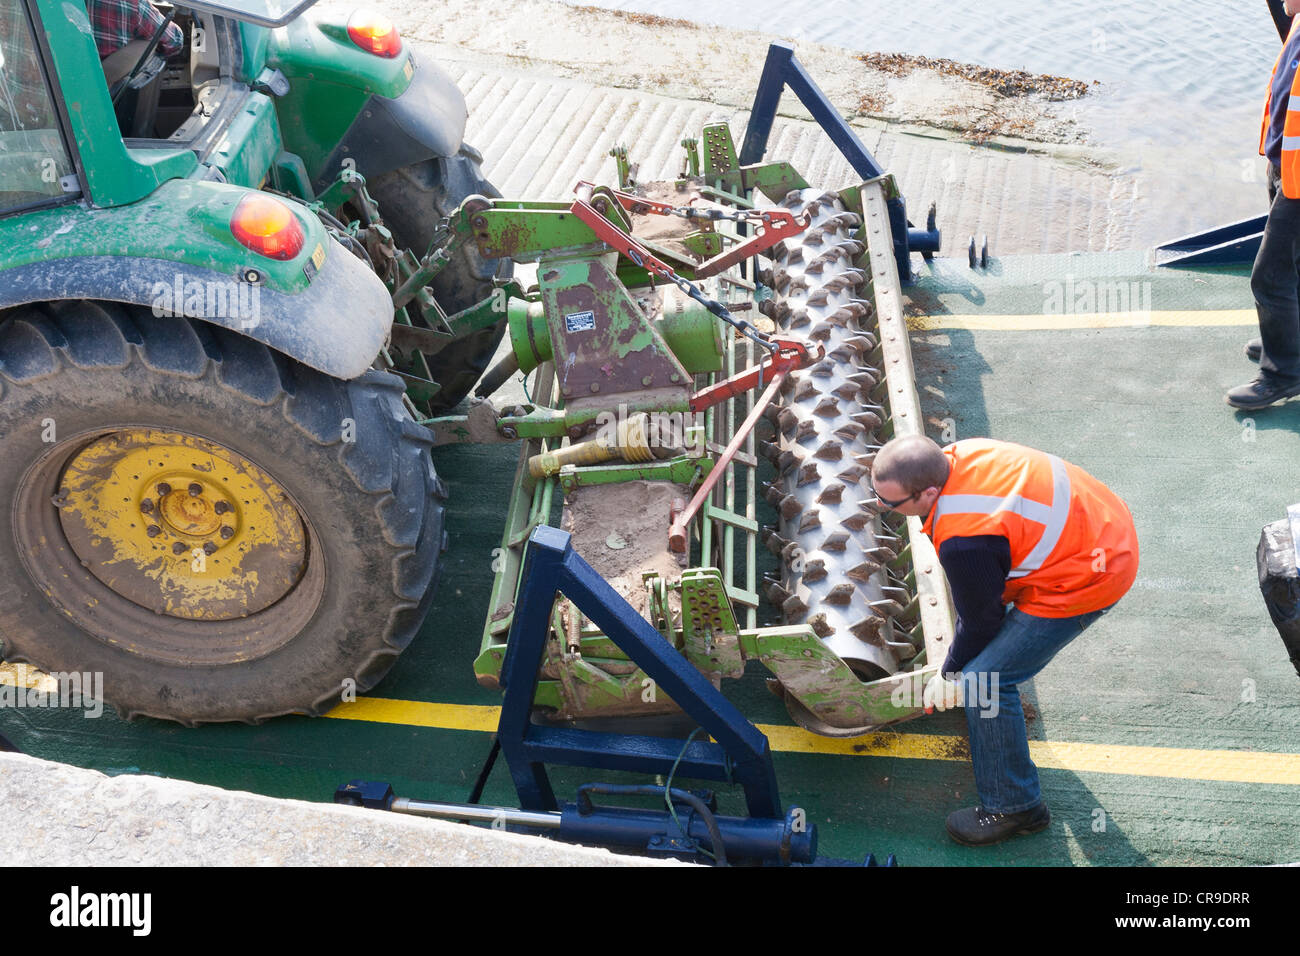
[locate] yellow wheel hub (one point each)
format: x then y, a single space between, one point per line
181 525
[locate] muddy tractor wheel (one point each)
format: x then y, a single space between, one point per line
221 532
412 200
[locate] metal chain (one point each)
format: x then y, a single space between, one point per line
744 327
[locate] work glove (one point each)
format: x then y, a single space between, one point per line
940 694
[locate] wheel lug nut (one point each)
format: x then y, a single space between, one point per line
209 547
221 507
164 488
178 547
227 532
195 489
147 506
153 531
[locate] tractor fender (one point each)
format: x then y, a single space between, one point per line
425 121
337 325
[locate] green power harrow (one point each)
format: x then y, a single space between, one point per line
713 362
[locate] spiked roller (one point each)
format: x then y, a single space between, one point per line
828 512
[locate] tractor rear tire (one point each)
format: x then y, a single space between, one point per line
412 200
97 402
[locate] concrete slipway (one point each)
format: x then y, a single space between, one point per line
1166 735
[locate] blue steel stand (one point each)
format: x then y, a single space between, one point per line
741 754
782 70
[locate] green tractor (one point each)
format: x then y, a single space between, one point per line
220 497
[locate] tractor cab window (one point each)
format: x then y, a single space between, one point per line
144 49
34 162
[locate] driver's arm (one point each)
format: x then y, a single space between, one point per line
117 22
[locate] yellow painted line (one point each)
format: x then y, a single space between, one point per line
1082 320
418 713
1238 766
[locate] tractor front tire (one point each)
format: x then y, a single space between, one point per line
412 200
222 533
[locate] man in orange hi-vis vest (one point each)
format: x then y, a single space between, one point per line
1035 550
1275 277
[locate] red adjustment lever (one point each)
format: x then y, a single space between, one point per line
775 225
790 354
620 241
772 225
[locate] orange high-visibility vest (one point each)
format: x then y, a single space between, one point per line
1290 127
1073 545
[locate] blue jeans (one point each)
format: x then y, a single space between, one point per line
1006 778
1274 281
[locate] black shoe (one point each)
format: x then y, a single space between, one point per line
1260 394
1254 348
975 826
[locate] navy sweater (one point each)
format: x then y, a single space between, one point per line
977 569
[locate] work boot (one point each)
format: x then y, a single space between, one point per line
1254 348
1261 393
976 826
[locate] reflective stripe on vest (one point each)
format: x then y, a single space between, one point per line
1052 517
1290 145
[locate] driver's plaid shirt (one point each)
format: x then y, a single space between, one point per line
117 22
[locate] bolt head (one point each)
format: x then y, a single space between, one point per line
195 489
179 547
153 531
147 506
221 507
209 547
227 532
163 488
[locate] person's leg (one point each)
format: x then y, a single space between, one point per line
1255 346
1275 283
1005 776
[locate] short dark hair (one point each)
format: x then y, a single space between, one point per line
913 461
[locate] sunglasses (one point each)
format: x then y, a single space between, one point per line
895 504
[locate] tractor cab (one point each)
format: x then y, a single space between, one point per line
169 66
156 87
